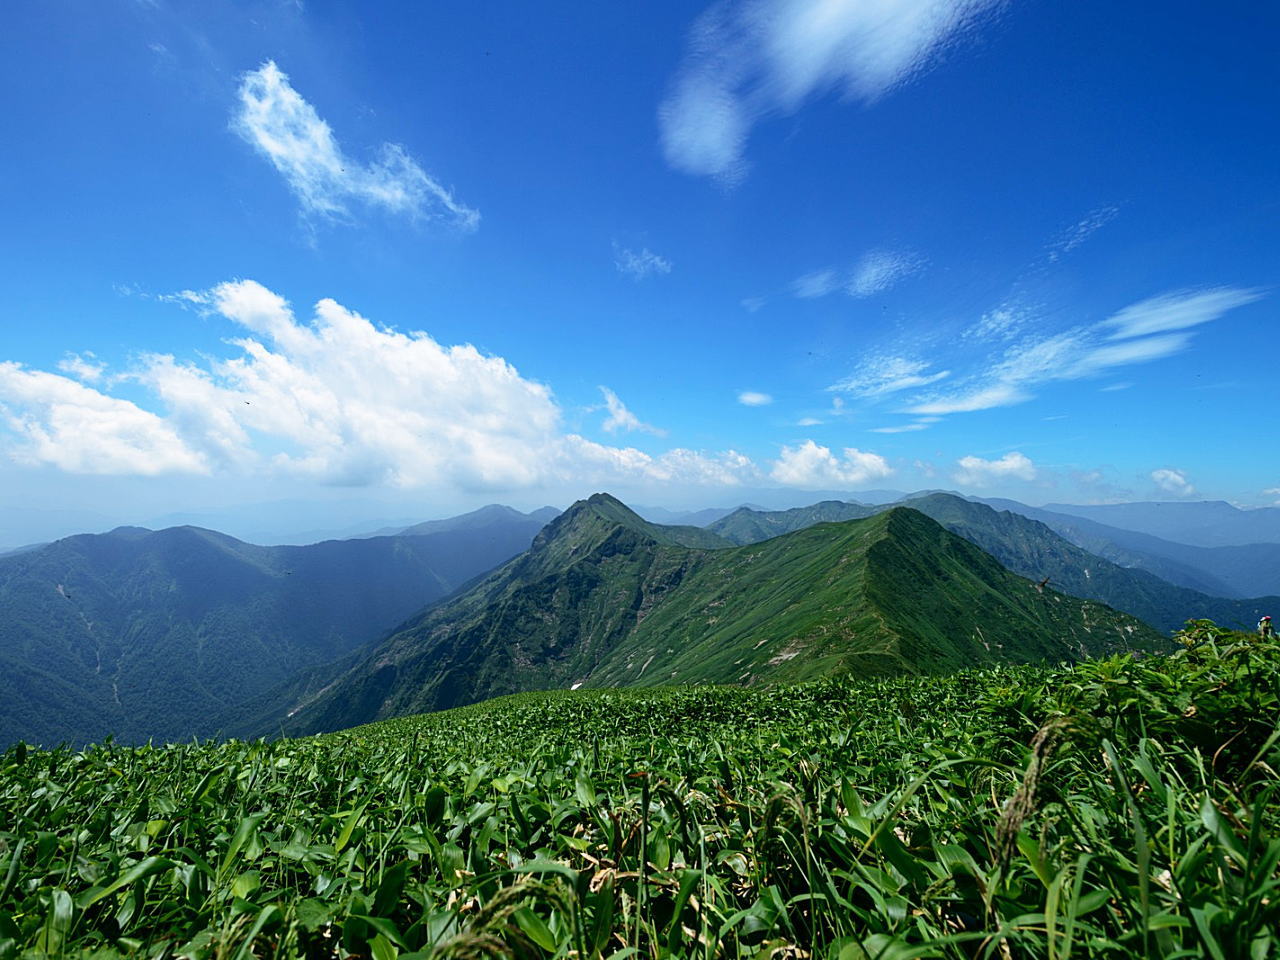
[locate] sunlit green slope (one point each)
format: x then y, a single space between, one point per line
605 599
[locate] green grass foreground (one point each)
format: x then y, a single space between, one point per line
1116 808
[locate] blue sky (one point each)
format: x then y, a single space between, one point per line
433 255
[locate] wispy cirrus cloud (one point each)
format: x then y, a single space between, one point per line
1079 232
285 129
754 398
1000 323
639 264
878 270
880 375
875 272
1143 332
1177 311
753 60
816 284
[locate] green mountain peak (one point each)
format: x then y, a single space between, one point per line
603 598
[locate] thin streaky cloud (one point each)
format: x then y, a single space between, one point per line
286 130
879 376
1178 310
1078 233
754 398
1143 332
767 58
819 283
902 428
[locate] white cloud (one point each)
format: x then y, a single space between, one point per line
880 375
637 266
1002 323
1273 492
1114 387
816 284
339 400
85 367
61 423
752 398
620 418
1138 334
1103 358
878 270
1172 481
809 422
905 427
768 57
814 466
975 472
752 304
283 127
1177 311
1078 233
968 401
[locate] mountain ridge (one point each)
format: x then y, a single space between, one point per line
600 600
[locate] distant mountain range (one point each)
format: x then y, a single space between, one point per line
162 634
1248 569
1200 523
605 598
188 632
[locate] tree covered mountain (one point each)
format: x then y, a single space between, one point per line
604 598
142 634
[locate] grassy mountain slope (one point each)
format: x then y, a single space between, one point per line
602 599
156 634
1030 549
746 525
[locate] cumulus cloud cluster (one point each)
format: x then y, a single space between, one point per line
285 129
973 471
814 466
1173 481
748 61
341 400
